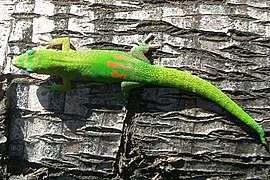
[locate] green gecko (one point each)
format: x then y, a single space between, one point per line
132 70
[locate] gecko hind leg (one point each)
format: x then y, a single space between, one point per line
126 86
138 52
142 48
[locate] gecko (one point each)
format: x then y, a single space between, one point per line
131 70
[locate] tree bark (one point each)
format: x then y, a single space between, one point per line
157 133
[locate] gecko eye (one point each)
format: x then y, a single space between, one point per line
30 52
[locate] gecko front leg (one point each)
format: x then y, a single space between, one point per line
64 42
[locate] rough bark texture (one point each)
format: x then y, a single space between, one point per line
163 133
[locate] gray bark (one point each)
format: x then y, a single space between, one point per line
162 133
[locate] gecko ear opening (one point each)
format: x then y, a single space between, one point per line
30 52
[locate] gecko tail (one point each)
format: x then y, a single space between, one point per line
185 81
267 147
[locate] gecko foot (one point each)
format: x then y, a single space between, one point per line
62 88
46 40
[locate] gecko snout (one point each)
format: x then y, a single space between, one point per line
14 61
19 61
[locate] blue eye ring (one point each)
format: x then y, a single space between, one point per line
29 52
30 70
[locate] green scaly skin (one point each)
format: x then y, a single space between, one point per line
132 70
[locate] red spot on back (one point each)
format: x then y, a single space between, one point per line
125 58
114 65
116 74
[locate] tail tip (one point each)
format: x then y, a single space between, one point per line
266 145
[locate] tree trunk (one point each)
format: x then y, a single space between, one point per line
157 133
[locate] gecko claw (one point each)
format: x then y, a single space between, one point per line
148 38
45 39
154 46
146 45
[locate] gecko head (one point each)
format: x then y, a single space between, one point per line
25 61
